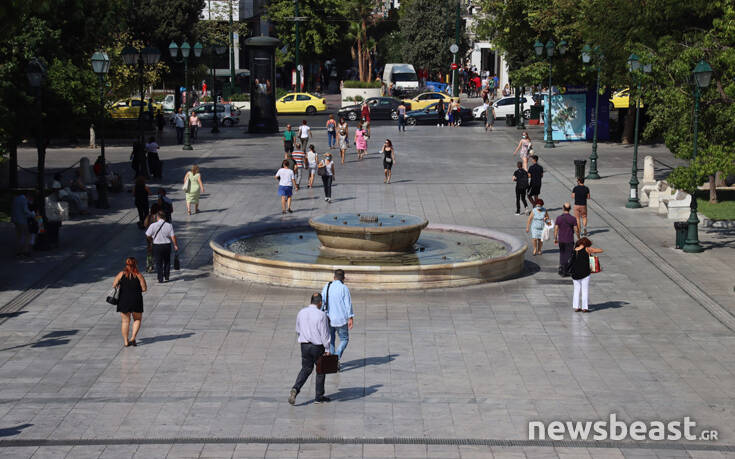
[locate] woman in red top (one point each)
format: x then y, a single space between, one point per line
366 118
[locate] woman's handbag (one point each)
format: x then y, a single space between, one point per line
595 264
321 171
114 298
177 263
547 231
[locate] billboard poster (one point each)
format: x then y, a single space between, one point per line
603 130
568 115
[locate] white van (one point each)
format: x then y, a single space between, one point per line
403 76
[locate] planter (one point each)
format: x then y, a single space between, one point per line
362 92
243 105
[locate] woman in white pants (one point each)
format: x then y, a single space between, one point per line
580 269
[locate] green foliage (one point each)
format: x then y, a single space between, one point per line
355 84
427 31
280 92
723 210
240 97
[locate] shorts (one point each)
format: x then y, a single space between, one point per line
534 189
580 211
312 171
288 146
286 191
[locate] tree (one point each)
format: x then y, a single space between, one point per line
359 13
427 32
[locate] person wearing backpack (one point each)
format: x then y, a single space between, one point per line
579 266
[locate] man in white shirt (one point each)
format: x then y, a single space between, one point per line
304 135
313 330
160 235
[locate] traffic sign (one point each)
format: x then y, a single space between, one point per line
454 48
454 66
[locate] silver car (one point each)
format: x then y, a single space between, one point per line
227 114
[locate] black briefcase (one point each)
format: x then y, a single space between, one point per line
327 364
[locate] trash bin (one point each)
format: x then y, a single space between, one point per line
579 165
510 120
681 233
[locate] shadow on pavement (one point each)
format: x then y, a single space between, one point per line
366 362
15 430
346 394
161 338
608 305
55 338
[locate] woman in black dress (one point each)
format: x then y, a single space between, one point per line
389 159
130 301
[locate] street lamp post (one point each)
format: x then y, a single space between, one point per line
539 49
587 52
100 66
702 77
634 66
173 49
36 73
218 50
140 58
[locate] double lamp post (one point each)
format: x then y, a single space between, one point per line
100 66
186 49
139 59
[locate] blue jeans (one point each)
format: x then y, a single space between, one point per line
332 138
401 123
344 338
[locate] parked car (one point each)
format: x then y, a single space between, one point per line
430 115
227 114
505 106
381 108
621 99
130 108
169 103
301 102
426 99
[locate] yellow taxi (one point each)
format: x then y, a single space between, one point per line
301 102
425 99
129 108
621 99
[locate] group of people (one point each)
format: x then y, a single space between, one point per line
301 158
179 120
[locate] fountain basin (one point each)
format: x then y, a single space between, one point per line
368 234
299 262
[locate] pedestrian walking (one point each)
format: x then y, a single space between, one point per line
581 194
299 157
455 116
365 112
312 328
304 134
160 236
360 142
489 117
20 215
193 186
312 159
338 306
160 121
579 267
327 174
331 132
139 160
389 159
535 173
154 161
565 226
536 221
520 176
130 285
140 195
165 204
180 124
402 117
524 146
285 177
343 138
288 135
441 115
194 124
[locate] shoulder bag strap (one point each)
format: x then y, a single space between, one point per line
153 239
326 300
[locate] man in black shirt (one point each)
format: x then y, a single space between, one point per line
535 173
520 176
581 194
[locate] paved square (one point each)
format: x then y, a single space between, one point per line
217 357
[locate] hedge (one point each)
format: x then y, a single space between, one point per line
355 84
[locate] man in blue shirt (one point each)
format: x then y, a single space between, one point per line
338 306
